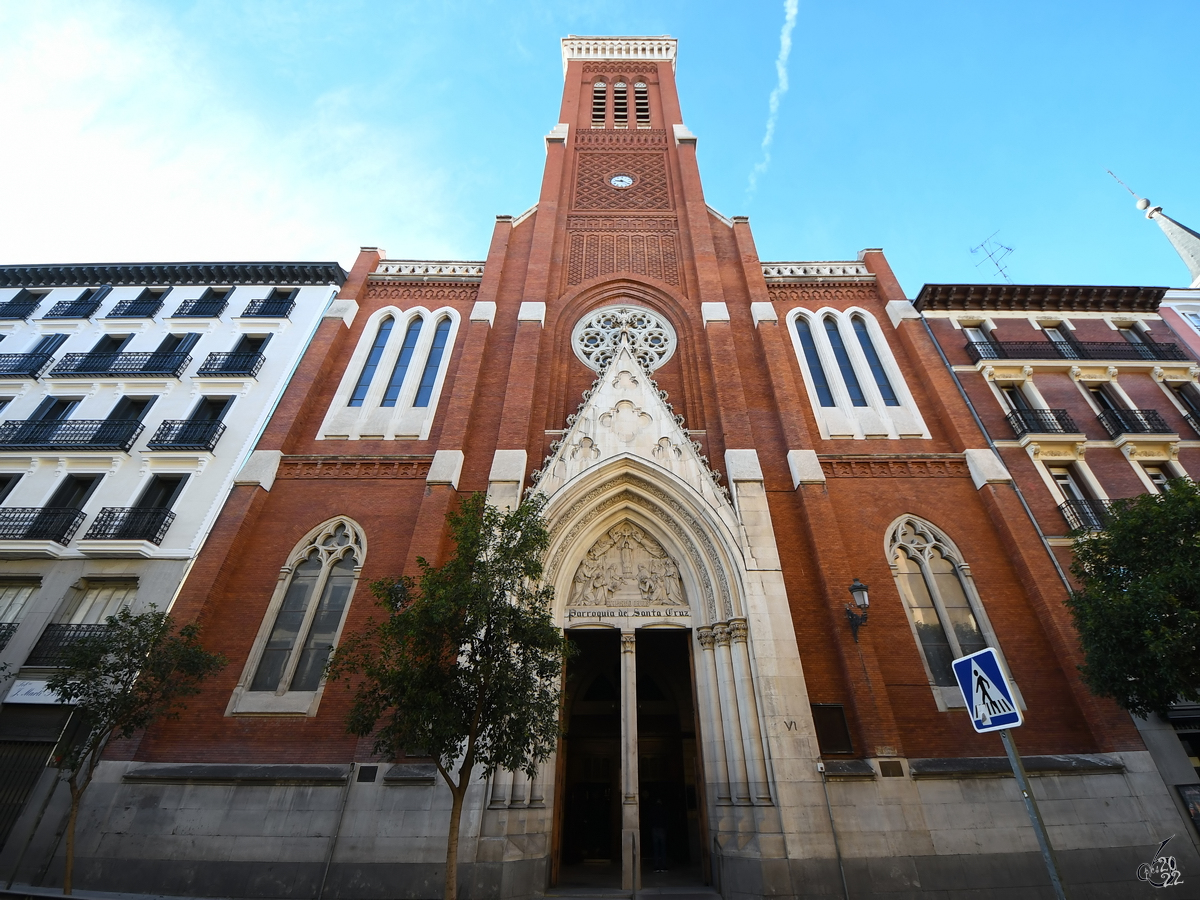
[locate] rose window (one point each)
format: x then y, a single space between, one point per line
599 335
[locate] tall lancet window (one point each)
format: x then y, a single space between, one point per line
877 370
432 364
396 382
372 363
599 102
843 360
943 606
305 617
816 370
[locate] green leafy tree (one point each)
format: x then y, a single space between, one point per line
136 670
467 663
1138 608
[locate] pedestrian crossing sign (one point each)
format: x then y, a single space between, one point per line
990 698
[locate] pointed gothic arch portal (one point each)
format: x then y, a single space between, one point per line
650 568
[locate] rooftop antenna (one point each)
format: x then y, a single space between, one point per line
994 252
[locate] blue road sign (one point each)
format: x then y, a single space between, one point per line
989 696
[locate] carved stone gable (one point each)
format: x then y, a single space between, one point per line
626 413
627 567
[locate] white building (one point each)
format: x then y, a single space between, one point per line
130 396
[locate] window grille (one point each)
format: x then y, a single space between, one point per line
599 102
620 105
641 101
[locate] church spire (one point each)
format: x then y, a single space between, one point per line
1185 241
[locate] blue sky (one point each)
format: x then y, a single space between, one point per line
289 130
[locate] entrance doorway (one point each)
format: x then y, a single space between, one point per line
670 797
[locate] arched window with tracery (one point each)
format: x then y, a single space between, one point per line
285 669
939 595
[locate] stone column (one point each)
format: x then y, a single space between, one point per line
520 790
715 739
630 819
739 782
536 798
502 780
760 790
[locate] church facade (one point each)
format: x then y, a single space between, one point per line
725 445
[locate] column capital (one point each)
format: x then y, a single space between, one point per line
628 643
738 630
721 633
705 635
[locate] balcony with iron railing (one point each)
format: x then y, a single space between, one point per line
19 309
1041 421
200 308
269 308
1193 423
7 630
20 523
119 523
1093 350
74 309
128 365
1133 421
244 365
182 434
70 434
54 646
137 308
24 365
1085 515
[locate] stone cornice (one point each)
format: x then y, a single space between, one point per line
274 273
427 270
576 46
800 272
1039 297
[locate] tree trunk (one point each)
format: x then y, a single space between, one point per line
69 867
456 806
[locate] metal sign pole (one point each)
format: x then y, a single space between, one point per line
1035 817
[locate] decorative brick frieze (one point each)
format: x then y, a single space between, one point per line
433 294
821 294
354 467
650 189
647 138
615 70
895 467
628 224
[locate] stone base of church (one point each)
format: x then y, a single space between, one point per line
921 835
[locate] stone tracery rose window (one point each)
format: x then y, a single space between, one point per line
598 335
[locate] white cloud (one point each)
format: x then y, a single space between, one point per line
781 85
125 142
